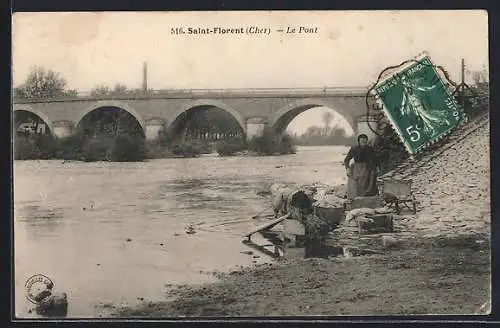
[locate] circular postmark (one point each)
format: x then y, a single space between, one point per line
37 286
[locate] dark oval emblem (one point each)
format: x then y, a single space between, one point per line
38 287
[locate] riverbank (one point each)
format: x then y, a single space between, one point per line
126 147
441 266
428 276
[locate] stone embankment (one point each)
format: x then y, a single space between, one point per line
452 185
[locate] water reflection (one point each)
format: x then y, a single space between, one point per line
41 221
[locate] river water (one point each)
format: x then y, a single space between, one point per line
116 232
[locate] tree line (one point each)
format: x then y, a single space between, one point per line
321 136
43 83
318 136
46 83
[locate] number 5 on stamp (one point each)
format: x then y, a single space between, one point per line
418 104
413 132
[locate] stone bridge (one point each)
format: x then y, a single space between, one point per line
252 109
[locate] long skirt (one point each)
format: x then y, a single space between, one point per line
362 181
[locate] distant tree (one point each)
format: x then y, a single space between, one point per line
100 90
41 83
313 131
481 100
119 90
315 136
71 93
339 135
18 92
480 77
327 119
139 92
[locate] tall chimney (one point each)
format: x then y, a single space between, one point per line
463 71
145 77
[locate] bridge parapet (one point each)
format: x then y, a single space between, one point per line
209 93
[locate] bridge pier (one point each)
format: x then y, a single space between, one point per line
255 127
63 129
153 128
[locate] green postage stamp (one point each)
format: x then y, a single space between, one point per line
418 104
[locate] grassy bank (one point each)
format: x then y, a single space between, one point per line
118 148
125 148
102 148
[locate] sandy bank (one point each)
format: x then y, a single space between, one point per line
439 276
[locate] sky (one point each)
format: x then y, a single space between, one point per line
350 48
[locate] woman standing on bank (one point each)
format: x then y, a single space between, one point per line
362 175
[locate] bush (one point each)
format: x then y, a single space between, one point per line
161 149
165 138
286 145
186 148
23 147
34 146
122 148
265 144
98 149
70 147
271 143
155 149
127 149
45 146
229 147
201 146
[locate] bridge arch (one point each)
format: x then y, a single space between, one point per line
280 120
212 103
45 118
115 104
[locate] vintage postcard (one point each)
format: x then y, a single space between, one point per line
250 164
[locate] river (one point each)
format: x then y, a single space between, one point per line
115 232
